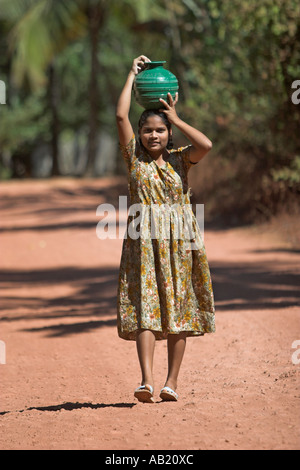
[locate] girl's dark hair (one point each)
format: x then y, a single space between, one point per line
155 112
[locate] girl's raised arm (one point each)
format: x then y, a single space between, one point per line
122 112
201 144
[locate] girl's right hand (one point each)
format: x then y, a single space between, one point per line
139 64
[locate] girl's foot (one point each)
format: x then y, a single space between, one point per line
144 393
168 394
171 383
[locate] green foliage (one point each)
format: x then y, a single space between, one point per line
22 122
288 174
39 31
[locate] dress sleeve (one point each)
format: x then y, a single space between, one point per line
128 151
185 155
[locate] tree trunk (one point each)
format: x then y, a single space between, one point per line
95 15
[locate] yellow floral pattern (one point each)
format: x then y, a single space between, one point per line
164 279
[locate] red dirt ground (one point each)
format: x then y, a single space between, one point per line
68 380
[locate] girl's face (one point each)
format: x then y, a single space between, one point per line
154 135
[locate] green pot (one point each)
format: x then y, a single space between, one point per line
152 83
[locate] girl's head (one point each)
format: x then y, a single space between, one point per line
155 132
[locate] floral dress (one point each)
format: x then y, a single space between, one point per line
164 278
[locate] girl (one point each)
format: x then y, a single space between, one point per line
164 282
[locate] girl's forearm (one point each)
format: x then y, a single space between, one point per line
123 105
197 138
125 130
200 143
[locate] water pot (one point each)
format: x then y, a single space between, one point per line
152 83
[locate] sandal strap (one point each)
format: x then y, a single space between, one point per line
168 389
143 387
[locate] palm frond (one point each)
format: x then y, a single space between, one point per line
40 31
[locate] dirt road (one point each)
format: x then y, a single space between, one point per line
68 380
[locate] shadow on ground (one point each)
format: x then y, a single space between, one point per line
247 286
72 406
94 294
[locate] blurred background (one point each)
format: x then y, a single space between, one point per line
64 64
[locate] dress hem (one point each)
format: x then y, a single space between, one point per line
161 335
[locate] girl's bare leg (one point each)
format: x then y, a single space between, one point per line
145 343
176 349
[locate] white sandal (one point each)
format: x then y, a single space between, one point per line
167 394
144 393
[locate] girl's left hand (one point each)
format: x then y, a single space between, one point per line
170 110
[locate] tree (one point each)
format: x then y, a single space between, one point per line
41 29
95 12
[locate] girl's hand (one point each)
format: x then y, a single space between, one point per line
139 64
170 110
